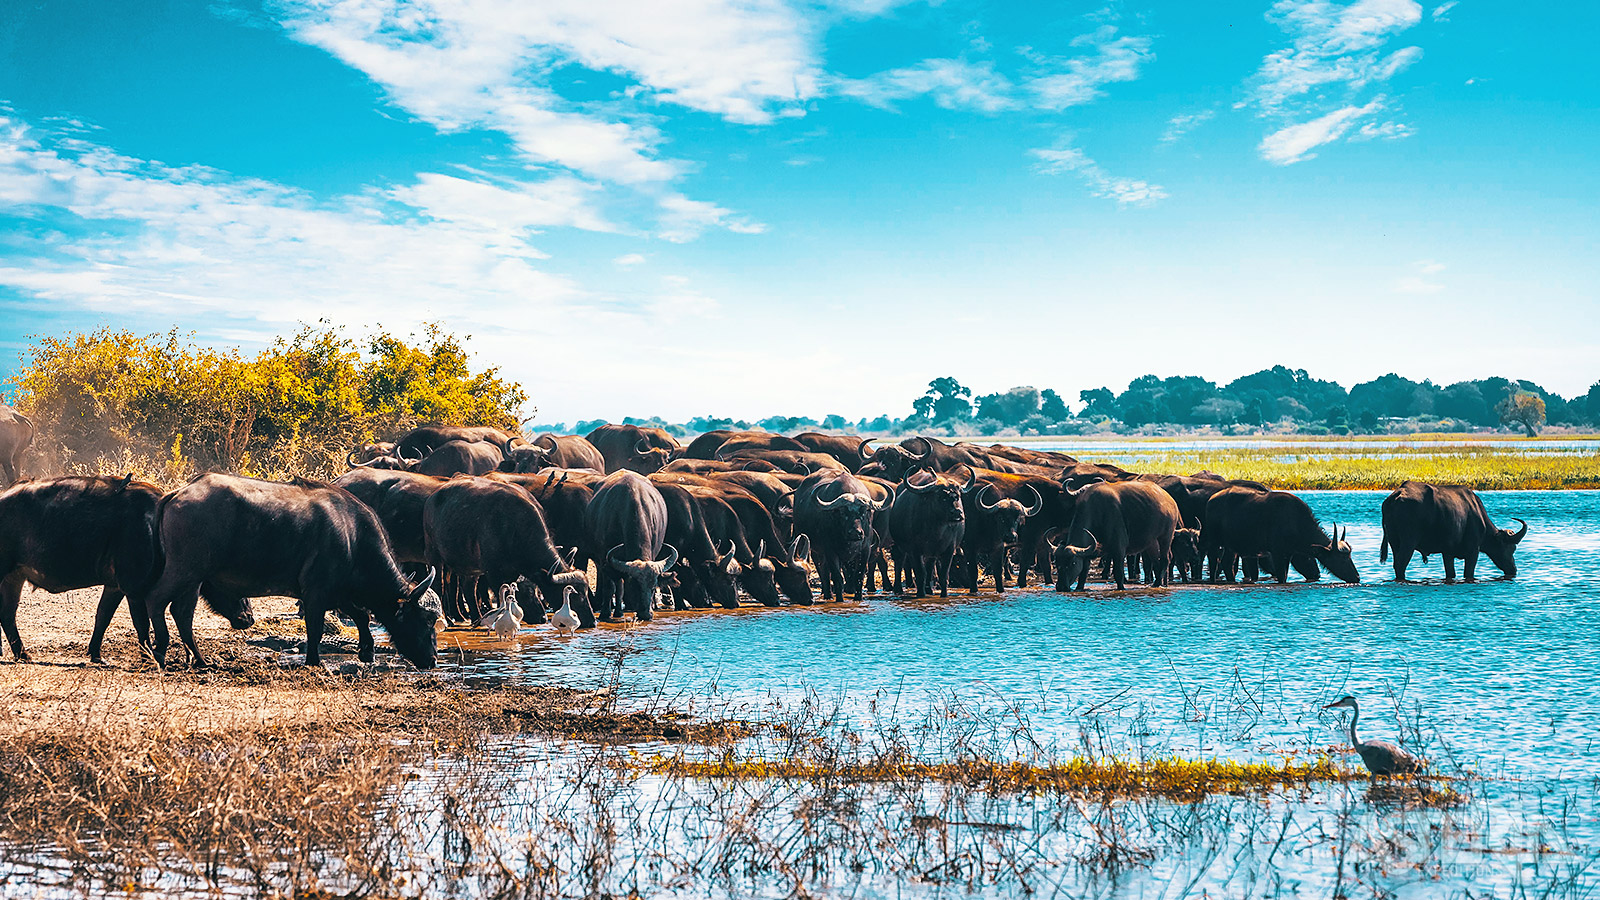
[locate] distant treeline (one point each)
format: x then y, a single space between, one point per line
1278 398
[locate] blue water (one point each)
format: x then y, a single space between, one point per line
1500 672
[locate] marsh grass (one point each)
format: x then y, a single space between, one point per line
1341 468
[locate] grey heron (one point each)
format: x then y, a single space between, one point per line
1380 757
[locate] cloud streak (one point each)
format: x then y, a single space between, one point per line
1063 160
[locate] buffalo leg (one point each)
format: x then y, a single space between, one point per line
183 616
316 618
10 599
1469 568
1449 566
364 649
1000 560
1402 560
110 599
164 595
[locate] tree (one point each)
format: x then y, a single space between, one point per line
834 422
1098 402
1011 407
945 401
1523 408
1590 404
1368 420
1051 406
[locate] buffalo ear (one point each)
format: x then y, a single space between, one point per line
423 585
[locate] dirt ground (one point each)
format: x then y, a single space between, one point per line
258 683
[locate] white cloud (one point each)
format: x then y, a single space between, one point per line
1295 143
627 260
128 235
950 83
1389 131
1182 124
684 219
485 65
1419 282
505 210
1067 159
1076 80
1441 13
1336 50
1050 82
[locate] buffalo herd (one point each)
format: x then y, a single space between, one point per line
431 527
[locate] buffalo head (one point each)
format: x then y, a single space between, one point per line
1070 560
643 575
413 626
1336 557
1500 545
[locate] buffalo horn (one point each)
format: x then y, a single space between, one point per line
1038 503
642 447
350 458
987 487
423 585
669 562
927 447
1521 532
862 450
829 504
800 550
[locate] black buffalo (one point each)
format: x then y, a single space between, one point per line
994 512
849 449
708 568
626 523
1277 525
461 458
16 433
631 447
835 510
423 440
68 533
926 523
494 531
241 538
569 451
1114 520
1450 521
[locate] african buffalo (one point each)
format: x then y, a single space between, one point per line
423 440
706 571
993 513
1450 521
849 449
488 528
797 462
835 510
241 538
627 527
569 451
704 466
1253 523
76 532
629 447
16 433
461 458
927 522
1116 520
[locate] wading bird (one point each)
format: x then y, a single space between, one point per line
563 619
1380 757
507 617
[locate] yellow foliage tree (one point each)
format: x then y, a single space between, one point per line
1523 408
112 400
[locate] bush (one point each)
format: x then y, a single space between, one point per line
164 407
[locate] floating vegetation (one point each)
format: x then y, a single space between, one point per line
1171 777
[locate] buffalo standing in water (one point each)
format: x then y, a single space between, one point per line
1115 520
1249 522
927 522
1450 521
242 538
627 524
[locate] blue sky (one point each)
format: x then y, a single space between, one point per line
746 208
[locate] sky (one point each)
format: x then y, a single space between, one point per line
711 207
